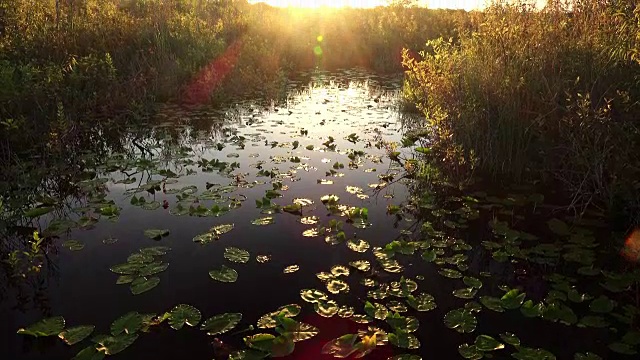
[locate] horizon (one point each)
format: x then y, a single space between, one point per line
431 4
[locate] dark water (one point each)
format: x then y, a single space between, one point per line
79 285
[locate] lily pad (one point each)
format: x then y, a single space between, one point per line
112 345
45 327
156 234
89 353
225 274
291 269
76 334
73 245
602 305
128 323
220 324
267 220
358 245
470 352
461 320
236 255
422 302
184 314
487 343
492 303
513 299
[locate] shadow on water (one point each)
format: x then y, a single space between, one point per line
252 178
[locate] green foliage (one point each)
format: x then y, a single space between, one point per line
532 93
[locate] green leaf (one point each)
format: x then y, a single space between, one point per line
155 250
529 309
297 331
156 234
128 323
450 273
492 303
403 339
513 299
247 355
602 305
622 348
220 324
143 284
112 345
45 327
488 343
76 334
38 211
470 352
184 314
236 255
472 282
225 274
422 302
268 220
461 320
342 346
73 245
525 353
510 339
429 255
89 353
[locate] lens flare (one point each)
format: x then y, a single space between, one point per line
631 249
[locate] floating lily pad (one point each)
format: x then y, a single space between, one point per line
112 345
220 324
510 339
405 340
73 245
461 320
513 299
326 308
155 250
602 305
128 323
312 295
45 327
76 334
225 274
470 352
263 258
358 245
221 229
487 343
156 234
89 353
422 302
184 314
362 265
267 220
291 269
450 273
492 303
236 255
465 293
586 356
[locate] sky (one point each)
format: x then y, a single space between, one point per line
454 4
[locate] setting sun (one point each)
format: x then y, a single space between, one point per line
453 4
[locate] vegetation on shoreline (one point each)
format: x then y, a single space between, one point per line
540 95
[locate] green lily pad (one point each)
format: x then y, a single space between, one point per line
220 324
525 353
248 355
405 357
450 273
45 327
155 250
112 345
362 265
461 320
153 268
403 339
89 353
488 343
222 229
267 220
470 352
529 309
76 334
326 308
156 234
602 305
225 274
73 245
513 299
312 295
472 282
128 323
429 255
492 303
422 302
510 339
143 284
38 211
622 348
465 293
184 314
236 255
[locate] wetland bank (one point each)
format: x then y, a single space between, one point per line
219 180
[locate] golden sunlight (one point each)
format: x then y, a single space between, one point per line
434 4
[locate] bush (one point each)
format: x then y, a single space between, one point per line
538 94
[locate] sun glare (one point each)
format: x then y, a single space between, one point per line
434 4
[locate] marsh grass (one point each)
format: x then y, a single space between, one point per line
548 94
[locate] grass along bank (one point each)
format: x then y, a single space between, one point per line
548 95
